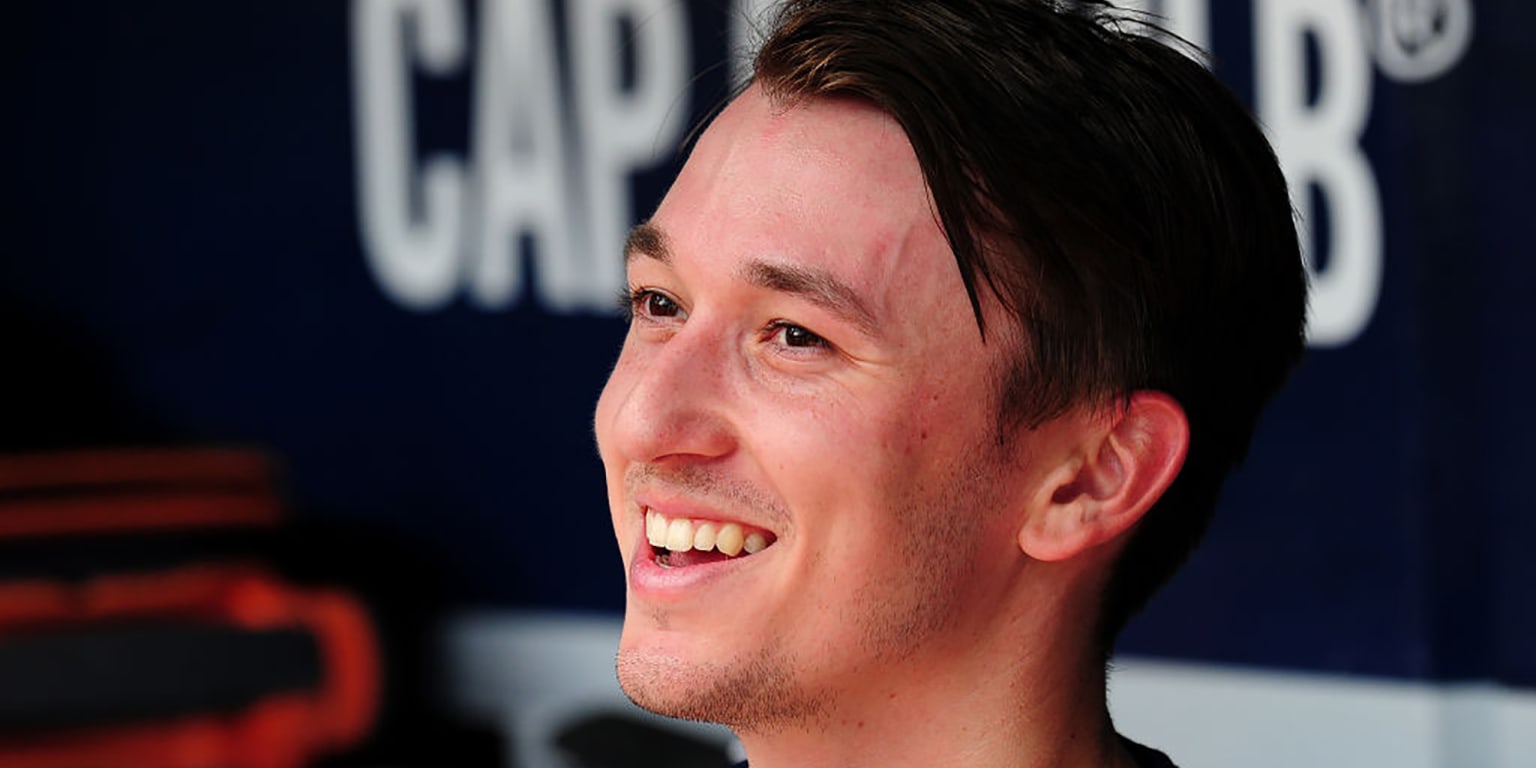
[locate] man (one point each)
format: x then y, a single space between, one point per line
941 345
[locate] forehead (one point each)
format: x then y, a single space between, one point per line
832 183
831 146
839 134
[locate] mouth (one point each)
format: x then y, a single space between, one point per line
680 542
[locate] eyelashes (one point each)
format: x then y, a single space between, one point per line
796 335
636 303
649 302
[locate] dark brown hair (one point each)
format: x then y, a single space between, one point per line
1117 200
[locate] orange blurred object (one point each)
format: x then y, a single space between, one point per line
51 499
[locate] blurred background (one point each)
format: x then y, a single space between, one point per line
306 306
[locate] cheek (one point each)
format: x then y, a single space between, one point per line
932 419
846 467
926 422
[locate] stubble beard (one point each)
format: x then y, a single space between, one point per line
756 694
762 694
752 694
940 551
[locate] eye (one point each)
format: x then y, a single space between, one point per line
797 336
659 304
649 302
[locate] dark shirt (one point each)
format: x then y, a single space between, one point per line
1146 757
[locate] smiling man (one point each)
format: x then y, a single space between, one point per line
941 346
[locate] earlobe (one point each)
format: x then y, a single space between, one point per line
1124 463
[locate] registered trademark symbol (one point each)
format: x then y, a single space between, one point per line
1417 40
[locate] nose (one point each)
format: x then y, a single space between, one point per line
667 400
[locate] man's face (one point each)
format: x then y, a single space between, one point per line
803 369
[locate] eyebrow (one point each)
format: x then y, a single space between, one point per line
817 286
647 239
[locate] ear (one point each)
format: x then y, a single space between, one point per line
1123 463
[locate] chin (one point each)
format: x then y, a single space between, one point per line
665 685
755 691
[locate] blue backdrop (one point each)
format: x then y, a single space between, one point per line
220 223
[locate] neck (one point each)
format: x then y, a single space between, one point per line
1013 695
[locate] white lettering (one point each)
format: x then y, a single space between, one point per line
429 234
519 150
411 249
621 130
1318 144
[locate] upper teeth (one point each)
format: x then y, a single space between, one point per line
682 534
